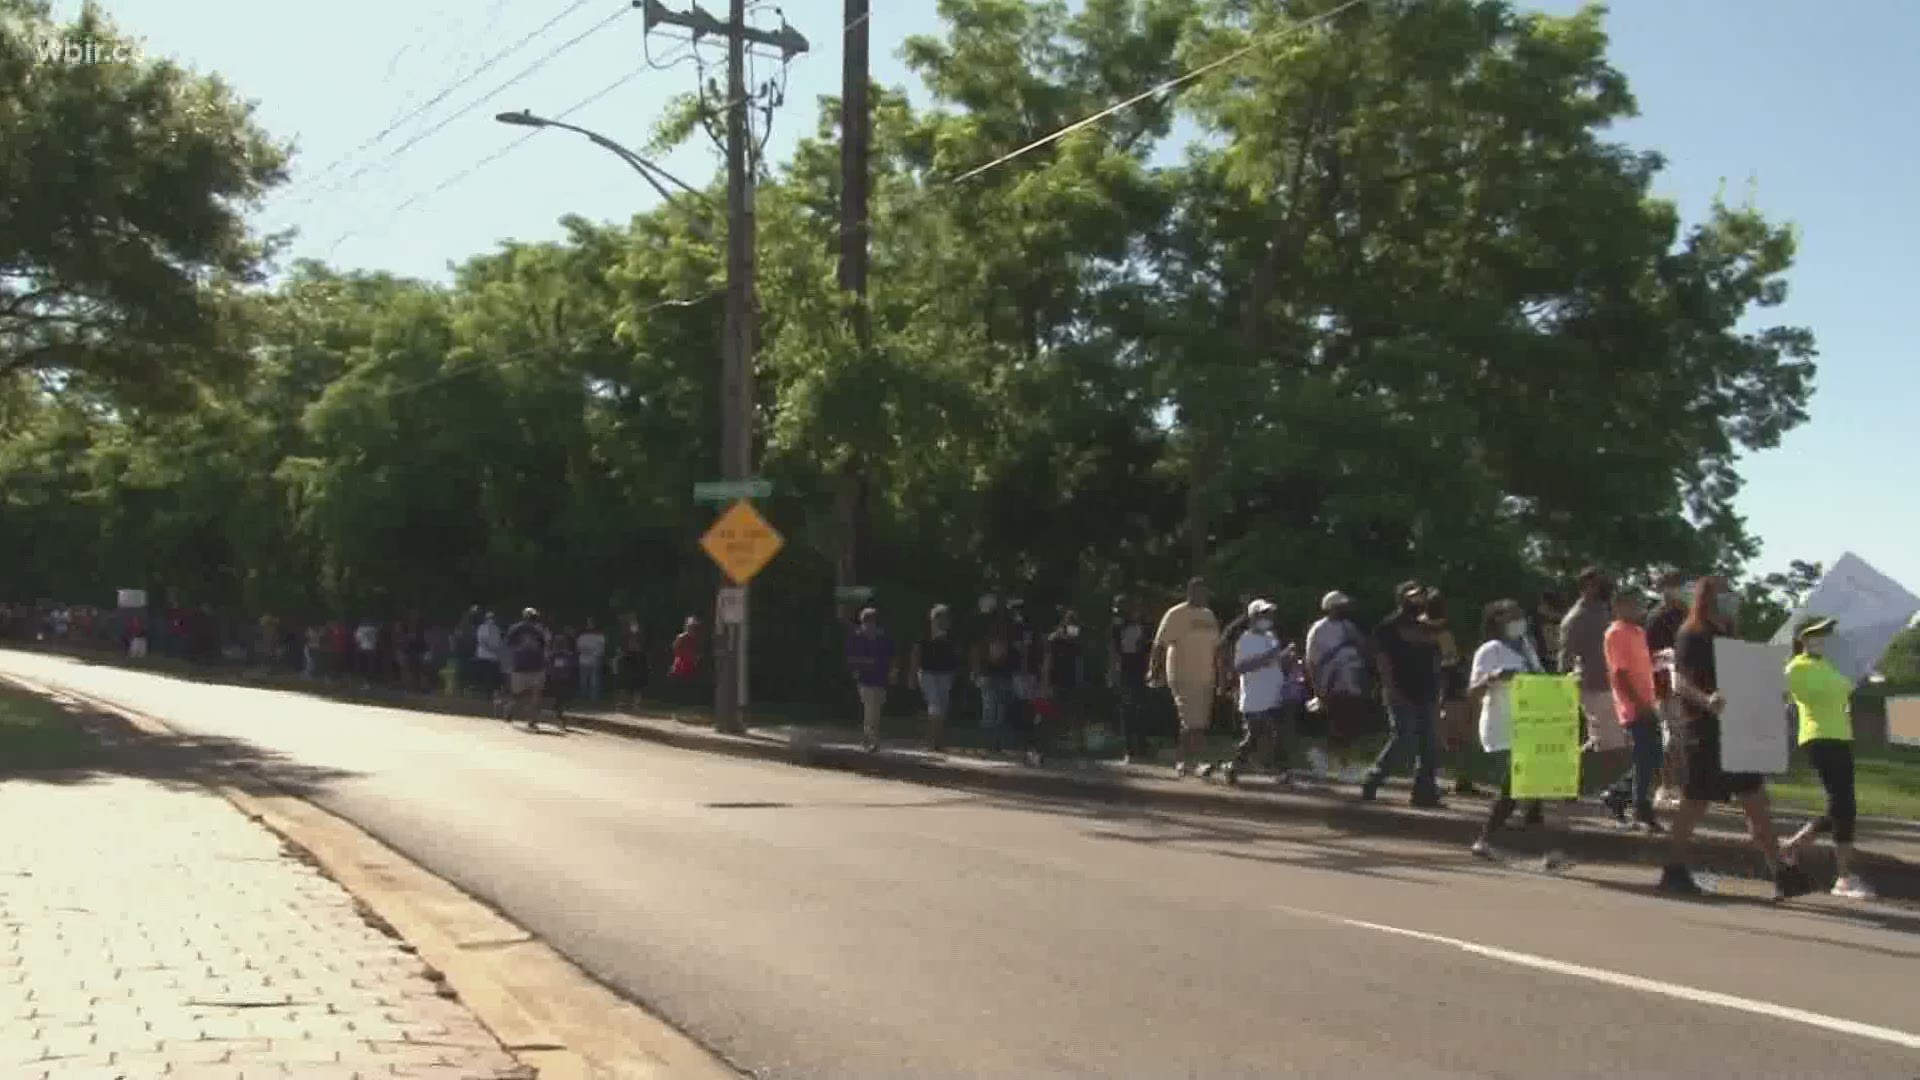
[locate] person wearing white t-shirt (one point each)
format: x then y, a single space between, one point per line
592 647
1260 660
1508 651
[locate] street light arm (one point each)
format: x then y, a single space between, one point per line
647 169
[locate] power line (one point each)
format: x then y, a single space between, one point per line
490 158
1171 84
472 105
485 66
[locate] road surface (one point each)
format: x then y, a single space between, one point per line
806 923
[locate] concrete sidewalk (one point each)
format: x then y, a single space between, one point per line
147 928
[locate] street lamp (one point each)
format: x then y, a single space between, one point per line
648 170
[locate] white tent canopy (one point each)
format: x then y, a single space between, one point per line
1870 607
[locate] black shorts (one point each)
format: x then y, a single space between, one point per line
1705 780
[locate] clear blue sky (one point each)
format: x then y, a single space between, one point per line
1807 103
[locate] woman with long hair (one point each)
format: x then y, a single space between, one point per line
1823 694
1506 650
1697 684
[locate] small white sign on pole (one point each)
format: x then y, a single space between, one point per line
1753 727
133 598
732 606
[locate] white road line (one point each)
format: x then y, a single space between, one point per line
1632 982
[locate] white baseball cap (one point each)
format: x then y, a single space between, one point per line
1259 608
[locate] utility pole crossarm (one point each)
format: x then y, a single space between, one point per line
789 41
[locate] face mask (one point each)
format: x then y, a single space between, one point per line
1263 625
1516 629
1073 631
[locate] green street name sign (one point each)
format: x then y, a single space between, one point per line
726 491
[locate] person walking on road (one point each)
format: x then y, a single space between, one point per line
684 668
592 645
1696 680
1029 653
1182 659
870 657
563 674
527 659
630 666
1410 672
1506 650
935 660
1062 675
465 647
1128 648
1583 633
490 660
1337 666
1663 627
993 668
1630 665
1260 662
1823 695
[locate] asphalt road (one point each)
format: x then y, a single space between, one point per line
814 924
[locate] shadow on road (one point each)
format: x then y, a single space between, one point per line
182 761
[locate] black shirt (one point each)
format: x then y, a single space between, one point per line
1414 654
1030 646
1693 660
939 655
1065 653
1664 627
996 655
1131 642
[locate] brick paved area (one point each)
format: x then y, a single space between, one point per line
150 929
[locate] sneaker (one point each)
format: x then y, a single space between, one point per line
1231 774
1616 804
1676 881
1555 862
1369 790
1790 881
1852 888
1649 825
1483 850
1207 770
1667 799
1180 769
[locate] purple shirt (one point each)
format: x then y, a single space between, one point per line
871 658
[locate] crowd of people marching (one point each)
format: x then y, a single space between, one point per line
1650 700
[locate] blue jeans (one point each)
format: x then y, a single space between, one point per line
1414 732
996 701
1648 753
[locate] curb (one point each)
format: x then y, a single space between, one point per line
1895 879
544 1010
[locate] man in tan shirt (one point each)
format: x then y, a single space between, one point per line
1183 661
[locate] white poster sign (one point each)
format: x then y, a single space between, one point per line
1870 607
133 598
1753 727
1903 721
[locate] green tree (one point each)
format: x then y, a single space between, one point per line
123 243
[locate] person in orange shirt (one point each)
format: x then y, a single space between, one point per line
1630 671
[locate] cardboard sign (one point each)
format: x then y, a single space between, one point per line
1546 736
1753 727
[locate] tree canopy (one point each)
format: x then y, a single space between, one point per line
1404 307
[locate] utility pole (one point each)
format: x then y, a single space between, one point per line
856 149
740 333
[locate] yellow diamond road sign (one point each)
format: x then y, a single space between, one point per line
741 543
